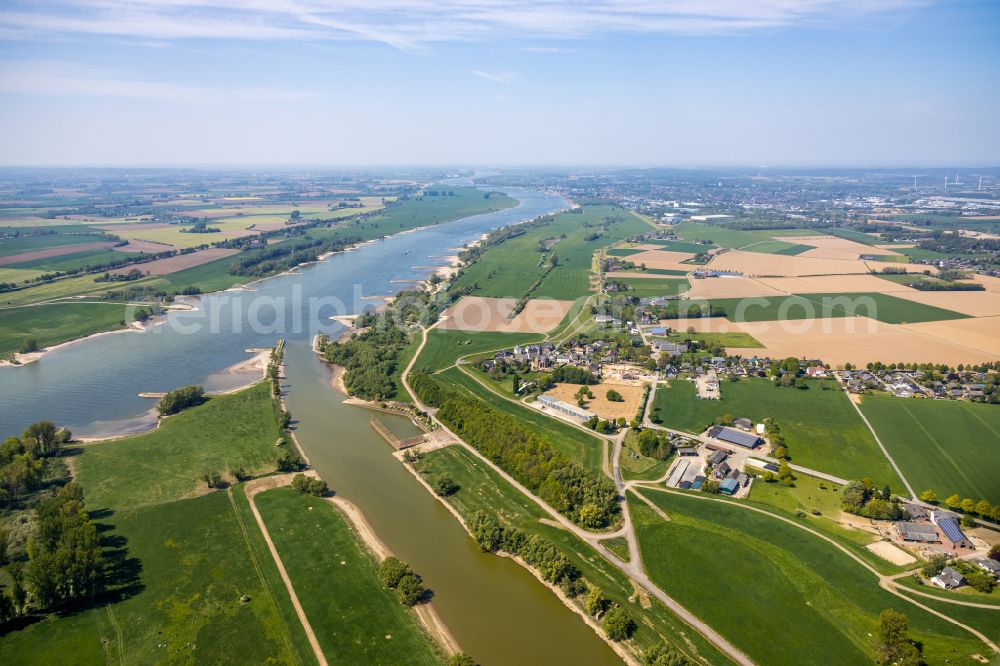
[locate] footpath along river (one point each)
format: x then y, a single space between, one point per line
496 610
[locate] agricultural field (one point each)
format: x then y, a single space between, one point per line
646 287
733 339
57 322
445 346
509 270
481 489
736 239
946 446
480 313
336 581
10 247
730 564
883 307
631 396
84 260
822 430
679 246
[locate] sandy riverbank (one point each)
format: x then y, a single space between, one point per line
426 613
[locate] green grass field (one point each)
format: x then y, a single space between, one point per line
22 244
58 322
445 346
856 236
190 561
735 339
509 269
239 429
623 252
646 287
884 307
75 261
356 619
661 271
764 584
585 449
751 241
821 428
680 246
943 445
480 489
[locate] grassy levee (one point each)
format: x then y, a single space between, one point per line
355 618
509 270
237 430
480 489
943 445
575 444
445 346
57 322
822 429
780 594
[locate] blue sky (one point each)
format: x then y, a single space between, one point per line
471 82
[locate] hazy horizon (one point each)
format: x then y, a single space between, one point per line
670 84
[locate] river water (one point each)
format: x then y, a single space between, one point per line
497 611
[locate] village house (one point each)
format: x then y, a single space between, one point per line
949 579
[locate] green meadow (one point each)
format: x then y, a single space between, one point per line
943 445
883 307
355 618
780 594
510 269
444 346
648 287
57 322
822 430
751 241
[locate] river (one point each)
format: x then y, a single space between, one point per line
496 610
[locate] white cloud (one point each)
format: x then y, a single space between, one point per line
65 79
411 23
498 77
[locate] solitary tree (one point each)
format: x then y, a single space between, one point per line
929 496
618 625
894 646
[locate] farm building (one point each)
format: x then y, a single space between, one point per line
917 532
717 458
989 566
564 407
949 579
733 436
953 534
743 424
658 330
729 486
719 447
